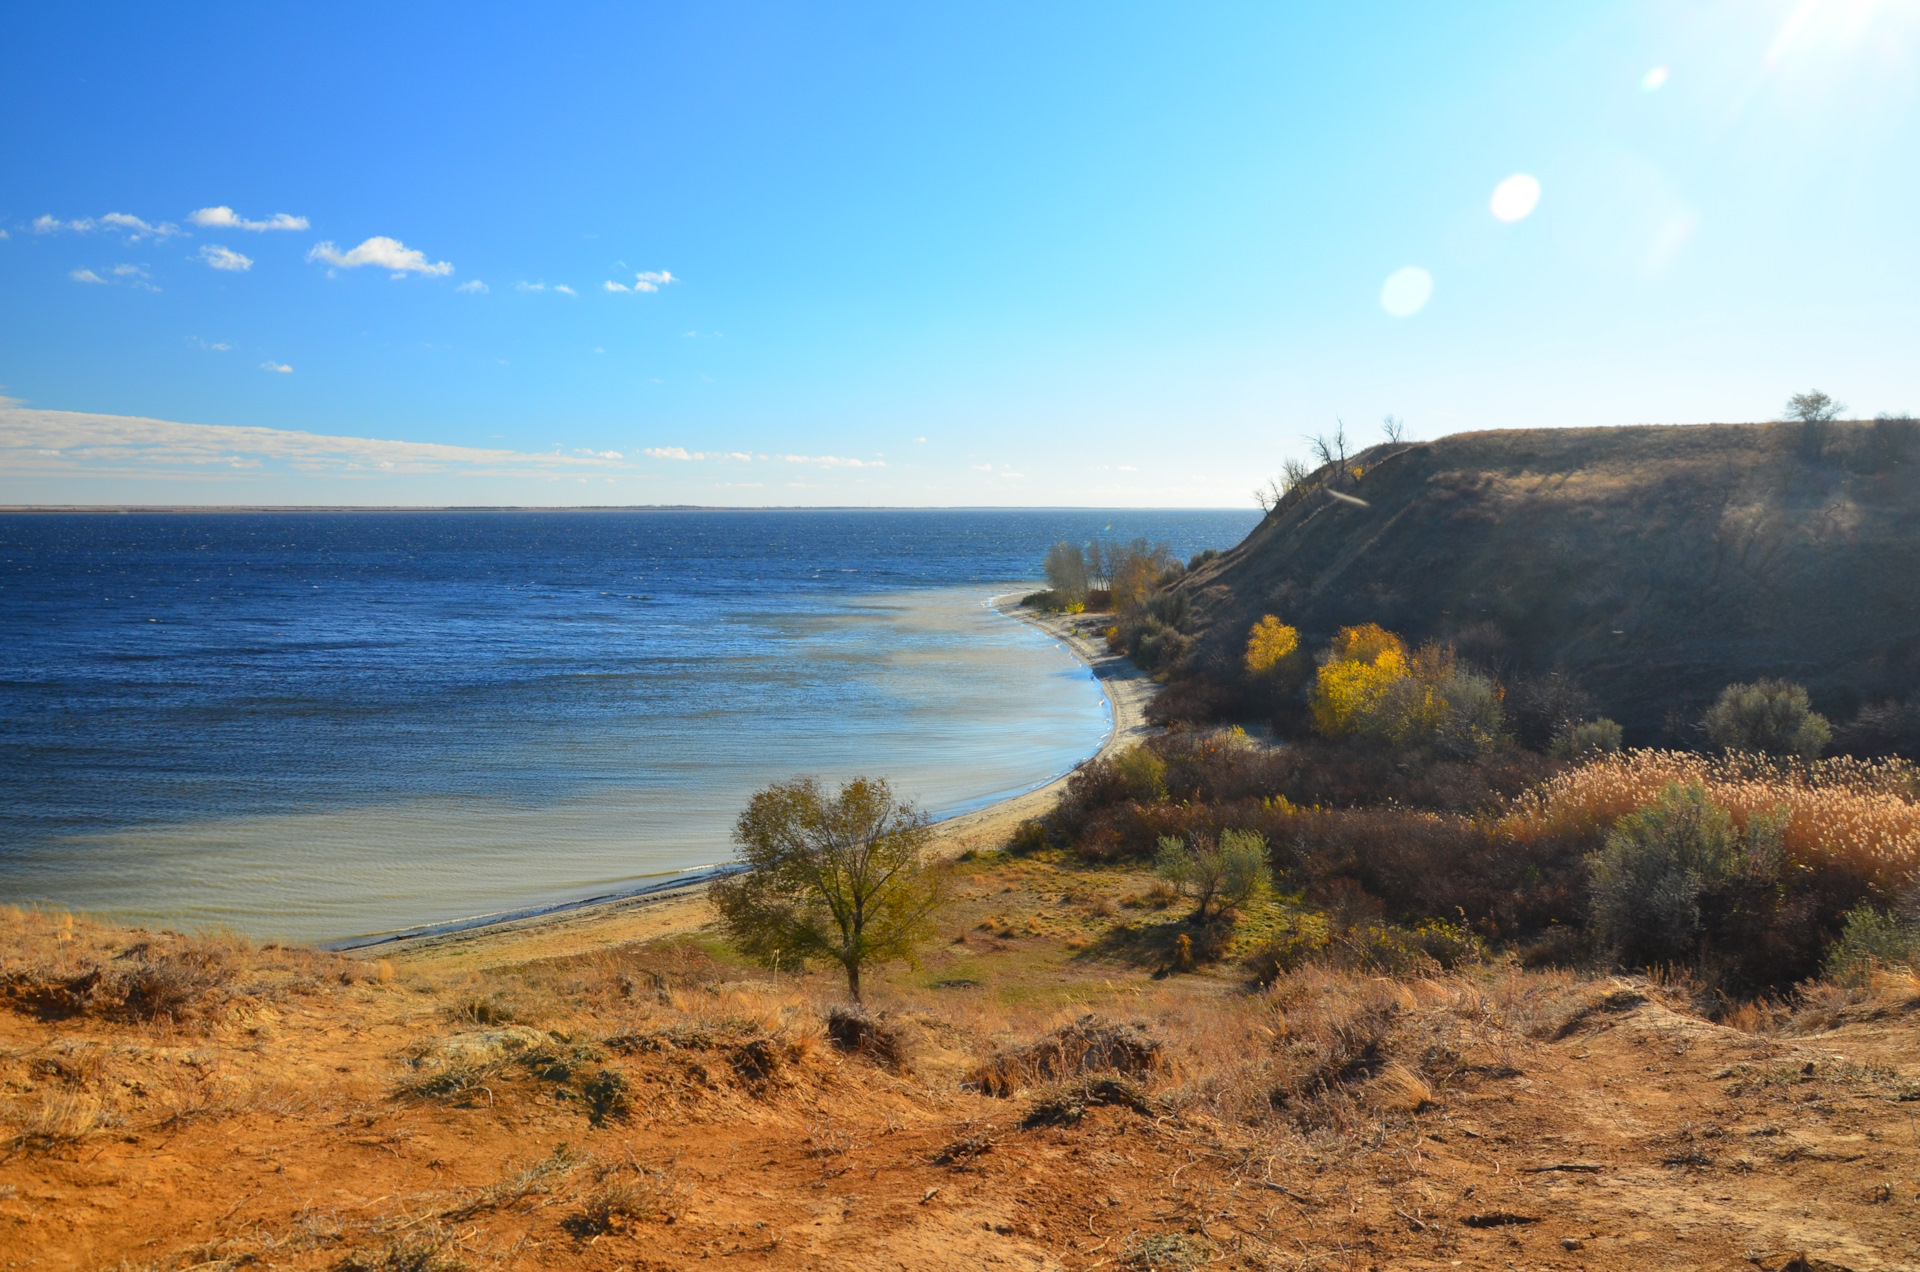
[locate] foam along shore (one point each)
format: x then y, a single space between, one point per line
680 904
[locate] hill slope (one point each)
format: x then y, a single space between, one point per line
1655 564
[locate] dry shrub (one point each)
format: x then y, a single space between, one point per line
536 1180
876 1036
1327 1051
429 1248
1087 1045
626 1194
86 971
1068 1102
56 1119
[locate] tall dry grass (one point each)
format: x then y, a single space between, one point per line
1860 814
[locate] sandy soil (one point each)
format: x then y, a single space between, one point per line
1557 1122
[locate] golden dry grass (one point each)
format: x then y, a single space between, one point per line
1864 813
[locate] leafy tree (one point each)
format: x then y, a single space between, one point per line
1769 716
1217 876
1362 666
1370 687
1067 572
1134 570
1270 644
844 877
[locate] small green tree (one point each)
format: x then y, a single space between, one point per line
1217 876
844 878
1769 716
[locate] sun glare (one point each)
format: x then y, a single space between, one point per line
1406 291
1653 80
1514 199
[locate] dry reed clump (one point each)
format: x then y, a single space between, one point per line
1087 1045
1860 814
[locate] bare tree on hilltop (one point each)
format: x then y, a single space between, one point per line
1815 413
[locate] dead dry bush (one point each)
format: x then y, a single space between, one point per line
57 968
876 1036
1330 1052
625 1194
1066 1103
1087 1045
54 1120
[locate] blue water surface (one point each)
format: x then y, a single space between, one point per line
314 725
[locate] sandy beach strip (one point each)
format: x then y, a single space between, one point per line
666 911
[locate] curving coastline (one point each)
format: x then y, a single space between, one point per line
681 905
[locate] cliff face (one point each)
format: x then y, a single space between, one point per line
1655 564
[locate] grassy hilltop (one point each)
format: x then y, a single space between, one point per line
1654 564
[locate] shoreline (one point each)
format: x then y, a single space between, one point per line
661 909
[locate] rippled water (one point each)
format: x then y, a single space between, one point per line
318 725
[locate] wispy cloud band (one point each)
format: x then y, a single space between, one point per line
35 443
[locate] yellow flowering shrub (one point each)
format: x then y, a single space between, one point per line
1365 665
1270 643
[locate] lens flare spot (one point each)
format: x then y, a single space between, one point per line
1652 81
1514 199
1406 291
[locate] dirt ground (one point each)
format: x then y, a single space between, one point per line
635 1098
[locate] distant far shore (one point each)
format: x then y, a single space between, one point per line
239 508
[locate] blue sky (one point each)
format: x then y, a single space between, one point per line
969 254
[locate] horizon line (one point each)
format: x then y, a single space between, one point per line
9 509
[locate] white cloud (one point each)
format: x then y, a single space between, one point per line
53 443
477 287
280 367
739 455
130 271
218 346
648 281
132 226
598 454
223 217
383 252
5 235
1128 468
85 276
225 258
672 452
981 468
835 461
919 439
562 287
